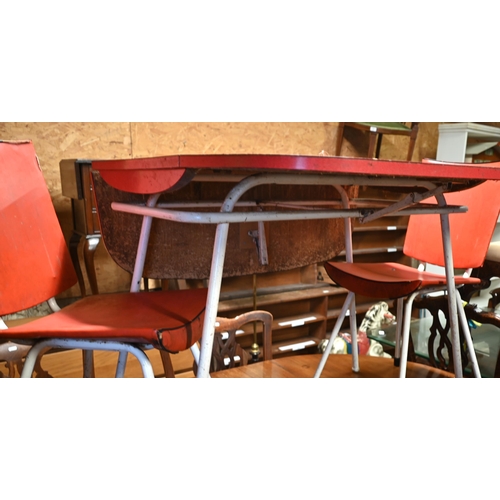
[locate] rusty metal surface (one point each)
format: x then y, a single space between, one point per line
179 250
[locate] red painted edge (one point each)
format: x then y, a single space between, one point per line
162 173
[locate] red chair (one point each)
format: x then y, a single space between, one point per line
471 234
36 266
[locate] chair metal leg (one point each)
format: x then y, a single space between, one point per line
32 357
195 351
122 363
468 337
399 330
406 334
451 288
338 324
354 336
88 364
92 345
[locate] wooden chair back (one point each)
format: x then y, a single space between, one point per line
227 353
376 130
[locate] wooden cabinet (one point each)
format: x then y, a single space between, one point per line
76 184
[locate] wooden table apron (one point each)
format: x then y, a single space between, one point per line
153 176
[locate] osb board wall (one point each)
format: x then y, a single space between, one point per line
56 141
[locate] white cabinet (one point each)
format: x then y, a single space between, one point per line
459 141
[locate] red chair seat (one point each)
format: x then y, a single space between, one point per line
386 280
171 320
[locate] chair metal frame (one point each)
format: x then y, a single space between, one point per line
408 206
420 283
32 200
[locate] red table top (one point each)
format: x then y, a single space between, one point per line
153 175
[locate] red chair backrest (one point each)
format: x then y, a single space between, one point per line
35 264
471 232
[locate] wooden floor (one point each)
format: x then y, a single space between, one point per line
68 364
336 367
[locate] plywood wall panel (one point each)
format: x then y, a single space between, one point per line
226 138
56 141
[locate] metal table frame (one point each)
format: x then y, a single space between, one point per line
434 179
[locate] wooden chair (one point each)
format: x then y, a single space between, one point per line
36 266
471 234
376 130
13 355
228 353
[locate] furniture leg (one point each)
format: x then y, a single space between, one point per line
450 285
399 329
349 300
99 345
340 138
88 254
468 337
122 363
88 364
413 140
167 364
379 145
372 144
74 241
406 334
207 337
354 335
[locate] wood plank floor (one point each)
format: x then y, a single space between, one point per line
340 366
68 364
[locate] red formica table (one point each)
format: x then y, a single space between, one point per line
242 173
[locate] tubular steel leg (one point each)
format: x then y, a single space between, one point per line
406 330
450 286
338 324
406 334
399 329
350 258
207 337
88 364
195 351
140 259
97 345
354 336
468 337
122 363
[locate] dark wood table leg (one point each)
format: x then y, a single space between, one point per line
73 250
91 243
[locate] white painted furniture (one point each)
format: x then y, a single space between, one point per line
460 141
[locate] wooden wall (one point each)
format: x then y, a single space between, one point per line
56 141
